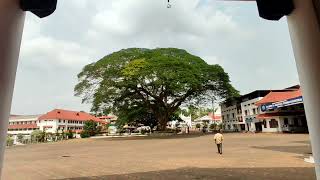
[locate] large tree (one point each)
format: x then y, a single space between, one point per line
158 80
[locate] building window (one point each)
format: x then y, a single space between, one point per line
232 115
254 111
286 121
273 123
59 121
246 112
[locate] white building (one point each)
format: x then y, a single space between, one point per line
60 120
229 116
110 119
283 112
209 119
187 120
23 124
54 121
241 113
250 110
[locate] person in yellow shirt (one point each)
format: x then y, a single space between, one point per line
218 138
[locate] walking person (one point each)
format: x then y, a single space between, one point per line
218 138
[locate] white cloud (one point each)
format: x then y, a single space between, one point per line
82 31
53 52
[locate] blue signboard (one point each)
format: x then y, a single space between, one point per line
276 105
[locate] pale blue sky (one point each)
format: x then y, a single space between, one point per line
256 53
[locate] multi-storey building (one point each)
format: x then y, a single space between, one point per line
110 119
283 112
250 110
60 120
57 120
24 125
229 114
241 114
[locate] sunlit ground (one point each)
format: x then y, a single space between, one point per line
246 156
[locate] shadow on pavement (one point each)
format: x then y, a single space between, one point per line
214 174
302 142
288 149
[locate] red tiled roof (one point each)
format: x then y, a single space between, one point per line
279 96
215 117
22 126
68 115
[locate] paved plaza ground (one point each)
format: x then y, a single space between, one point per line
246 156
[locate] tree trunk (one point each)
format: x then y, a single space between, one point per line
163 120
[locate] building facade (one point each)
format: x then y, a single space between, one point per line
23 124
250 110
60 120
229 115
55 121
283 112
110 119
245 114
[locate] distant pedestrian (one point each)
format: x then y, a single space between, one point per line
218 138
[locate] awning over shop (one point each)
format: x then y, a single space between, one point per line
277 114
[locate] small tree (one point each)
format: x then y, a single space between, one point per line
9 141
63 135
198 126
213 126
38 136
84 134
69 134
20 138
91 127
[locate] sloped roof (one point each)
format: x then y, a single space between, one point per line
69 115
209 117
215 117
277 114
279 96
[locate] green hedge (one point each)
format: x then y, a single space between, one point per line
84 134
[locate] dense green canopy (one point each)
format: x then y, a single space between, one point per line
134 81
